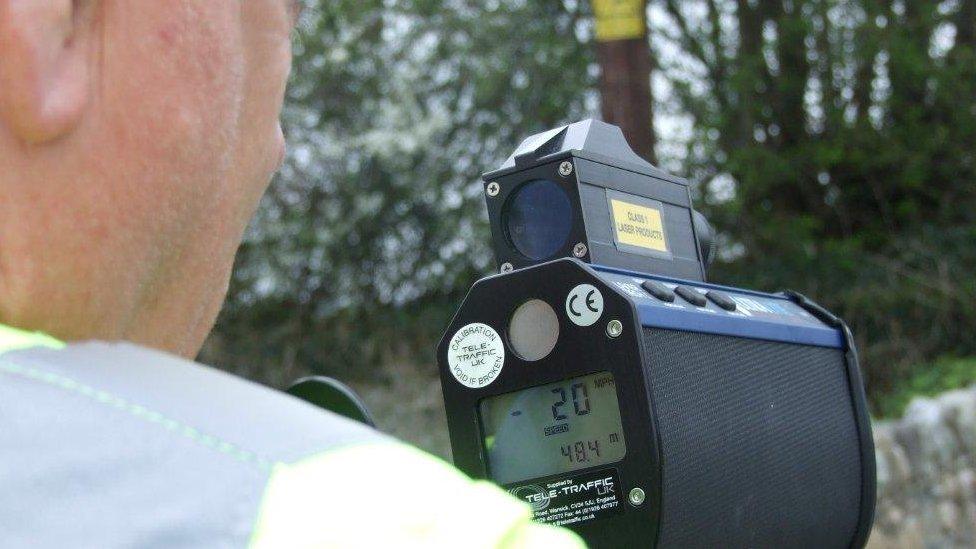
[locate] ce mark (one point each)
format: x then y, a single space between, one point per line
590 301
584 305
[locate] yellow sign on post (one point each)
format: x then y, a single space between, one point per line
619 19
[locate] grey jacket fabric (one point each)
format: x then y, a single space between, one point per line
112 445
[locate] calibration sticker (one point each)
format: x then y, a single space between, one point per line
476 355
638 225
572 500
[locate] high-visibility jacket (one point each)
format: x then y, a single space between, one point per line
114 445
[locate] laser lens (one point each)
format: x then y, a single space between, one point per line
539 218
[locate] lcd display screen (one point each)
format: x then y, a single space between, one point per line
551 429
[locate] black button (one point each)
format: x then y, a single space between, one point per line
658 290
691 296
720 299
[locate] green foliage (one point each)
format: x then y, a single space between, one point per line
927 380
835 147
375 227
832 142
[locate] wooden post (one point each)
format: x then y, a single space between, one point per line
624 55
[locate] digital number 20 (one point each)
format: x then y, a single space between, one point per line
581 401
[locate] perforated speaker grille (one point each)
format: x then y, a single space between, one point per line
759 442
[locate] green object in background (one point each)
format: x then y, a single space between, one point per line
834 155
942 375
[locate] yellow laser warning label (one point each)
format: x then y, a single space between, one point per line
639 226
619 19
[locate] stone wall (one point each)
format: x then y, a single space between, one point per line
927 474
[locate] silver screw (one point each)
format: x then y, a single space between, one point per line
615 328
566 169
507 268
493 189
636 497
579 250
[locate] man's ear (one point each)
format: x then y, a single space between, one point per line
45 71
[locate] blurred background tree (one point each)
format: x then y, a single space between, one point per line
375 227
833 144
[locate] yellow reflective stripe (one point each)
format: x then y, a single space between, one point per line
392 495
12 339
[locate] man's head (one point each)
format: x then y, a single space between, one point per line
135 141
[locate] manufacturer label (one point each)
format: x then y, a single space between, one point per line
476 355
584 305
572 500
640 226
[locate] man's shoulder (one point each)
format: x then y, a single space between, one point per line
179 397
123 446
392 495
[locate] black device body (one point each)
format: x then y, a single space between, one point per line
622 396
596 182
742 428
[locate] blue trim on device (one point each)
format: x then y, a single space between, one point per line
653 314
690 321
693 283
